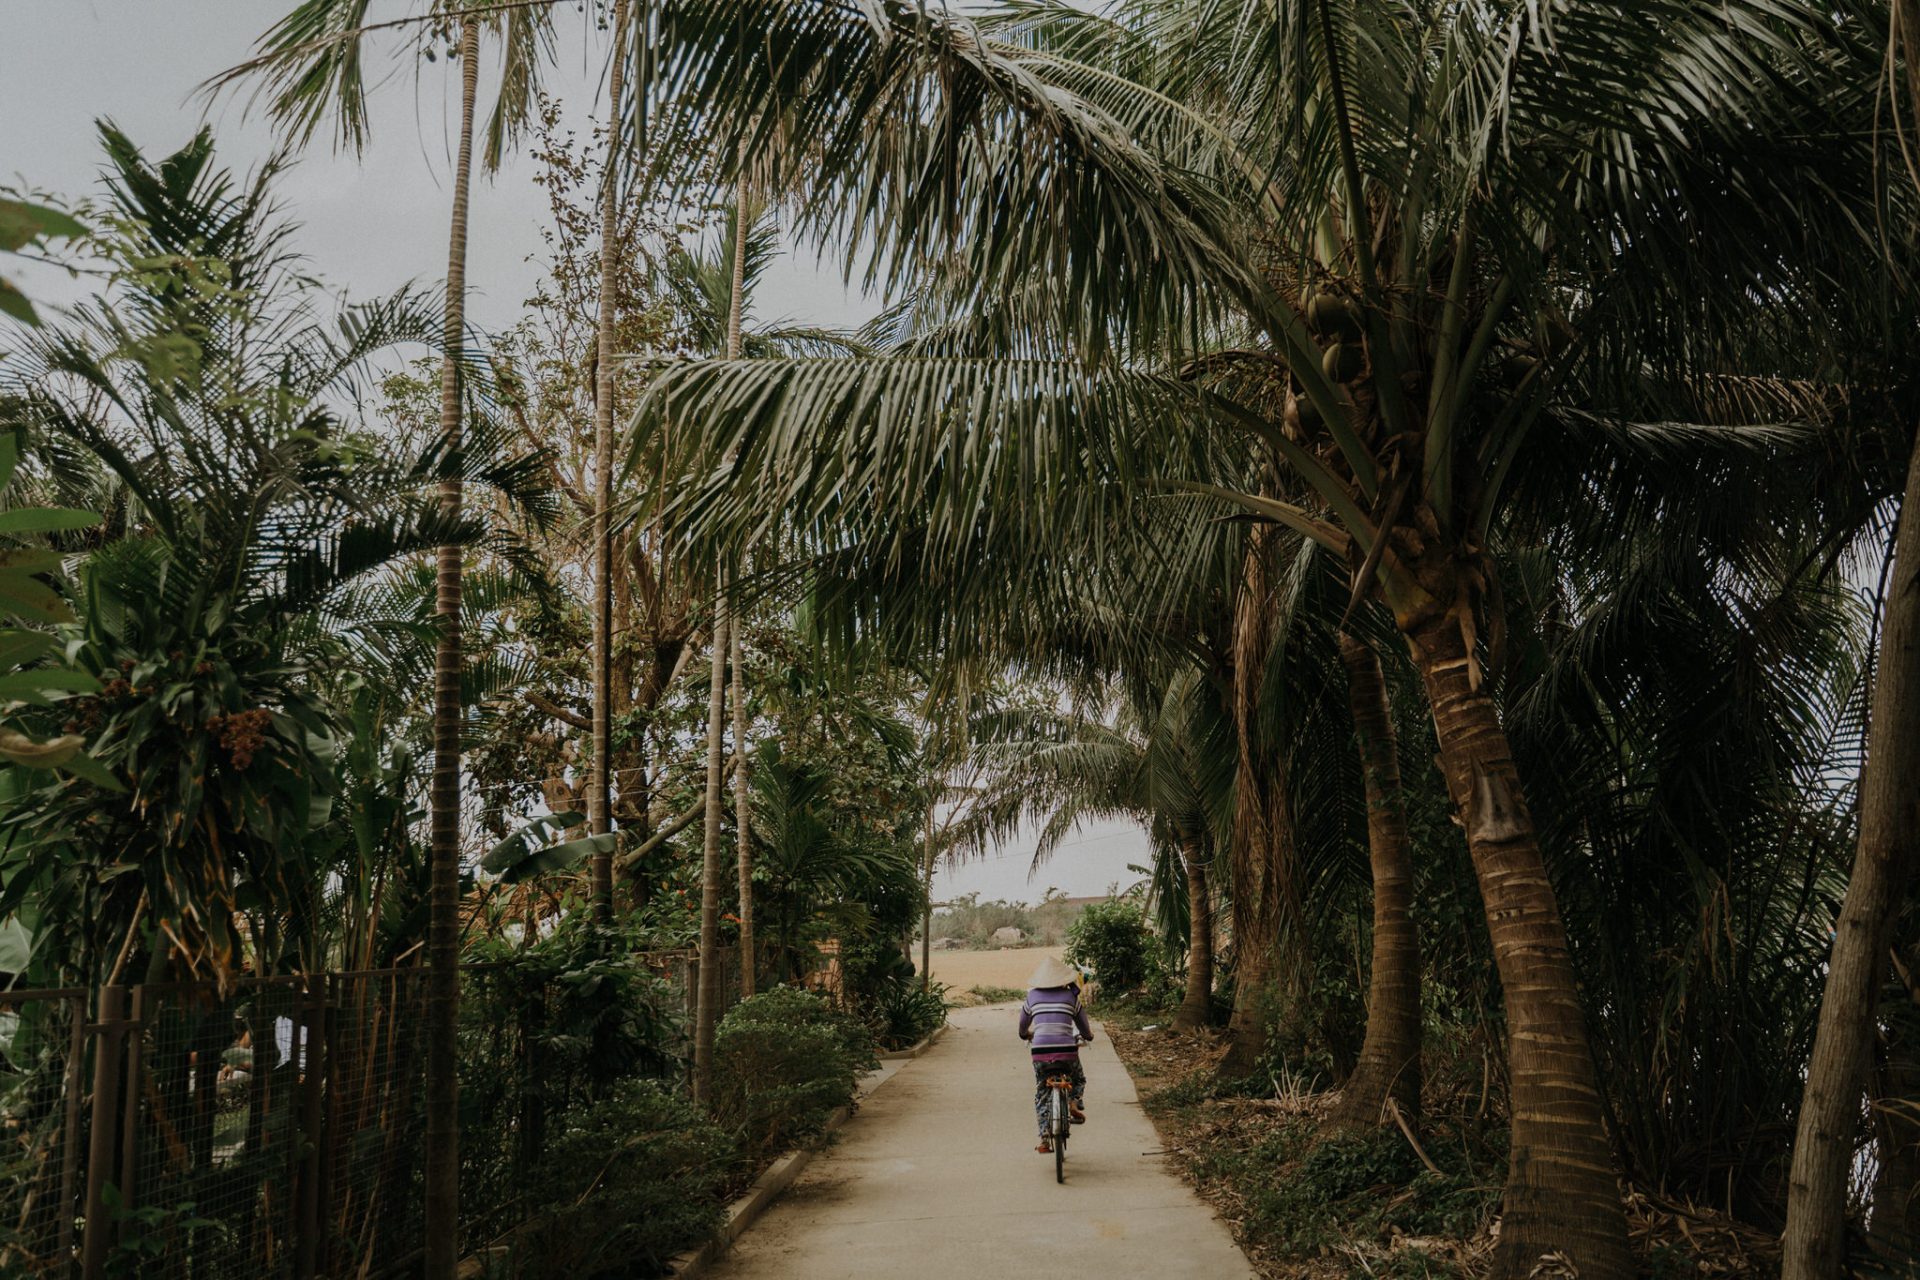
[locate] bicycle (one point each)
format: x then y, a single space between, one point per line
1059 1122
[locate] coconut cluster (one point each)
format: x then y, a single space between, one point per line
1334 318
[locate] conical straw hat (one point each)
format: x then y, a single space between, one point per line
1051 972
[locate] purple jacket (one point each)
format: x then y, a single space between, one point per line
1055 1021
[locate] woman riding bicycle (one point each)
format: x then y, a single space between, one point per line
1056 1022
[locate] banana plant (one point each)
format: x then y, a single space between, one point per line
526 853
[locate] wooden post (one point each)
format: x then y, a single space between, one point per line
133 1054
105 1112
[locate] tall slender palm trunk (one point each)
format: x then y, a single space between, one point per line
926 905
707 1006
1196 1010
742 824
443 928
742 777
1562 1195
1389 1065
599 776
1883 862
707 1009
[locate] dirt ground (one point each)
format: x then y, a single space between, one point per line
964 970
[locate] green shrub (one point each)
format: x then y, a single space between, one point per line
631 1181
1164 990
783 1062
589 1010
869 966
1113 939
792 1006
901 1014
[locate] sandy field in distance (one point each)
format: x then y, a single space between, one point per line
964 970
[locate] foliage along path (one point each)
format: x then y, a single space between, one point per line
936 1177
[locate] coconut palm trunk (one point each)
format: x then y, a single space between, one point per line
443 932
1562 1195
1263 854
1389 1066
1884 861
1196 1010
599 778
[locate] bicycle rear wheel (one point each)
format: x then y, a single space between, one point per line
1060 1128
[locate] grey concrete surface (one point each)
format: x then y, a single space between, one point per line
936 1178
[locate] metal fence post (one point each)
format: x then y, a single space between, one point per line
105 1112
313 1133
70 1127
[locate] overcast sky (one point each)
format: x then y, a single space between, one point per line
371 224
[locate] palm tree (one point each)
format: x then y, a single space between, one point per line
312 60
599 783
443 937
1387 247
1389 1067
1883 866
707 1009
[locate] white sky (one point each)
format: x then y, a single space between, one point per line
368 225
372 224
1090 861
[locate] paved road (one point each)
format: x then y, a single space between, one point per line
936 1178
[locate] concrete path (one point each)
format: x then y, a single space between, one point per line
936 1178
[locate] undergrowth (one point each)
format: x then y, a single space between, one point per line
1308 1196
1307 1203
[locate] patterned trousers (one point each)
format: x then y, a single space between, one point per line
1042 1095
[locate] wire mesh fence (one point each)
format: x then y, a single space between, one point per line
216 1170
275 1129
42 1118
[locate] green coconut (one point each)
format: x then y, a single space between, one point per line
1343 361
1330 315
